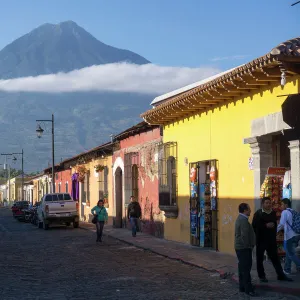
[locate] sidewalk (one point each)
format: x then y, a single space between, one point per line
224 264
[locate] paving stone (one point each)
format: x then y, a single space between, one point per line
65 263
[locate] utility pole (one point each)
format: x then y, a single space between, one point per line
22 153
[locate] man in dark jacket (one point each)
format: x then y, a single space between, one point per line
134 212
265 227
244 243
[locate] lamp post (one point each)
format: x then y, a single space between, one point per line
22 153
39 132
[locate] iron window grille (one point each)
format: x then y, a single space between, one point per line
131 176
167 173
103 183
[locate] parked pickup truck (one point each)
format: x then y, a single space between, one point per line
57 208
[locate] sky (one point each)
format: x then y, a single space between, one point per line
193 33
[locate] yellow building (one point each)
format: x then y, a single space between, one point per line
220 136
15 188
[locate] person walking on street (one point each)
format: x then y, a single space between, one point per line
291 238
244 243
133 214
265 227
100 212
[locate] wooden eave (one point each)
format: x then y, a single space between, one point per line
232 86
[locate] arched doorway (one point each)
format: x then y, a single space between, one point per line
119 197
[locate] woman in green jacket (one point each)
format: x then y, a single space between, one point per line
100 211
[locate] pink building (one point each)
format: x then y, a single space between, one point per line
135 172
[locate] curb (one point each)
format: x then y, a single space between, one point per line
223 275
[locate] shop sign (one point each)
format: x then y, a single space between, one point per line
277 171
251 163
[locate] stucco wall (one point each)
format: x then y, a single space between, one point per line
219 135
63 177
145 144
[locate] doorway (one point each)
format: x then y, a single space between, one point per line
203 204
119 197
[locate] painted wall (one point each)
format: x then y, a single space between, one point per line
219 134
146 145
61 178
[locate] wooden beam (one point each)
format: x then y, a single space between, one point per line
242 85
292 68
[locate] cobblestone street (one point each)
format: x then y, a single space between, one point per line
66 263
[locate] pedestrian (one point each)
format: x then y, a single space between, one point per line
101 214
133 214
291 238
265 227
244 243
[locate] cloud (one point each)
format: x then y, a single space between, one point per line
234 57
120 77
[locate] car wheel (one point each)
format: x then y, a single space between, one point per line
45 226
75 224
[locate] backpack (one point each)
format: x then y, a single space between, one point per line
296 221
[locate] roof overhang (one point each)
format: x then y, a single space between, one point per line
229 86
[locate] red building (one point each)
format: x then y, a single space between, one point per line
63 182
135 172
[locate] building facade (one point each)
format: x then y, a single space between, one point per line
135 173
226 132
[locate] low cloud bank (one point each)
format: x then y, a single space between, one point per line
120 77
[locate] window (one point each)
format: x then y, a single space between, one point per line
167 173
59 187
57 197
131 163
67 187
86 188
103 183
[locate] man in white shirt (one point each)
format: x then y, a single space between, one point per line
291 239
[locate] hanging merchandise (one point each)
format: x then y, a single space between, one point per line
194 226
272 187
213 189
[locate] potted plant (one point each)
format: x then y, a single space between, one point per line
99 168
81 171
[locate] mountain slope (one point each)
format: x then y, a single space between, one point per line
82 120
54 48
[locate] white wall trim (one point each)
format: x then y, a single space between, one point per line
118 163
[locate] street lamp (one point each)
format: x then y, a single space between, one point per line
40 131
14 159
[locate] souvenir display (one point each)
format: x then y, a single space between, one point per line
273 187
203 201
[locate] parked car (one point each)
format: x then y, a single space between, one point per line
18 209
58 208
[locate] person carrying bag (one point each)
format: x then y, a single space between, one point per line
100 218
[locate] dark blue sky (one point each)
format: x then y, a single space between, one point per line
193 33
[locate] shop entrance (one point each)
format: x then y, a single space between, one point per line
203 204
277 181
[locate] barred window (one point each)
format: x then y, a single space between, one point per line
131 165
167 172
103 183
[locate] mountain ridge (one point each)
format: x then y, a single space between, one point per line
82 120
63 47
